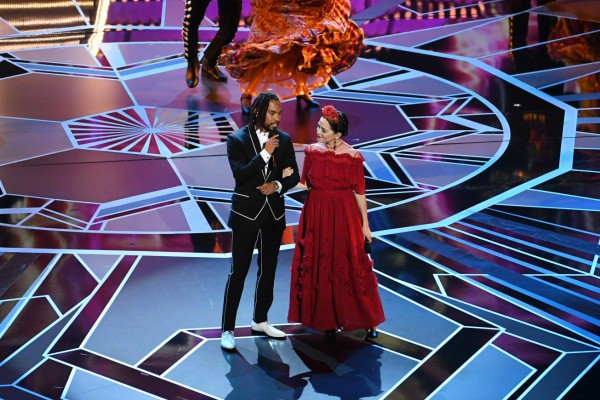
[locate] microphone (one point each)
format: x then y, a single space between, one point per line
271 134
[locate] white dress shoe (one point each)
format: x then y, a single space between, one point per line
267 329
227 341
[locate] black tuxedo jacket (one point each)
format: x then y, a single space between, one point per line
243 151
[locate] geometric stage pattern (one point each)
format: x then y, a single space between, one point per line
146 130
479 123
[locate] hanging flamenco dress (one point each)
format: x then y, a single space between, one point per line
333 284
295 45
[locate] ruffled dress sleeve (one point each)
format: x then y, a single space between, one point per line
358 174
306 166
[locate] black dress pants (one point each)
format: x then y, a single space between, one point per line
267 239
229 19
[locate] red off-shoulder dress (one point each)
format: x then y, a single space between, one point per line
332 280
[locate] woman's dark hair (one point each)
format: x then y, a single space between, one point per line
259 108
342 124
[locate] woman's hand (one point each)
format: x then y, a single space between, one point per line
287 172
367 233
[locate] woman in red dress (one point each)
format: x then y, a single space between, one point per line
294 45
333 285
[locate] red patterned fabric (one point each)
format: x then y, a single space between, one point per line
294 44
333 284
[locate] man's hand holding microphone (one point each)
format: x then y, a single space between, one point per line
271 145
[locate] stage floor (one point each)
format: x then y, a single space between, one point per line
480 125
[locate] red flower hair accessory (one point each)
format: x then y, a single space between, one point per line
331 113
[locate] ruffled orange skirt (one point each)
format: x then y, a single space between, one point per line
295 46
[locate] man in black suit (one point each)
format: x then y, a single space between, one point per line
259 153
229 19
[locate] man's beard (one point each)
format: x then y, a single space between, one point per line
271 128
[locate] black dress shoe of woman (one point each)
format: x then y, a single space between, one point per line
191 75
371 333
310 102
246 102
